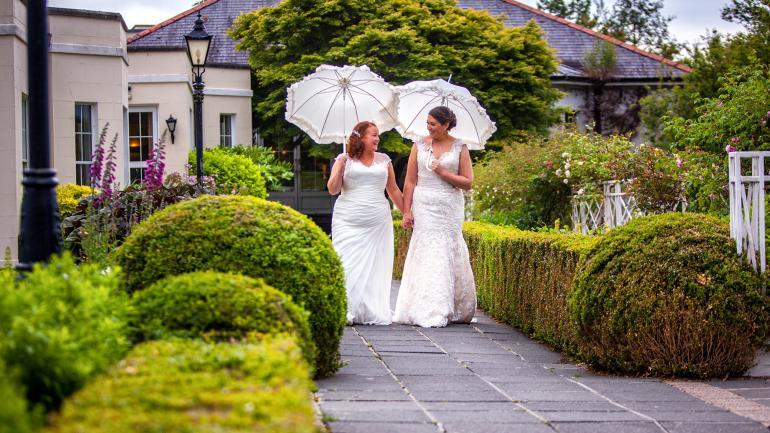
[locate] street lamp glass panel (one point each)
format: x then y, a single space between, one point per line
198 50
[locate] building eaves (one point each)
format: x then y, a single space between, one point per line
172 20
83 13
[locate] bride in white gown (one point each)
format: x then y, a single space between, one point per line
362 226
437 285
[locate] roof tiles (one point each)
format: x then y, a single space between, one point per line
570 41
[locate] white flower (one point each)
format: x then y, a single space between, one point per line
581 163
567 165
566 181
558 172
566 173
581 191
565 155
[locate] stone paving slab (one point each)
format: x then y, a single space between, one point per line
381 427
487 377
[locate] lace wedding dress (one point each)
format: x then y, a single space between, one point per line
437 285
362 235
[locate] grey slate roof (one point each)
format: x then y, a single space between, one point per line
570 41
219 16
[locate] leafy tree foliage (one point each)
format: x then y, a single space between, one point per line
639 22
583 12
754 14
507 69
719 68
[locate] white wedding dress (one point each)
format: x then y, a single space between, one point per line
362 235
437 285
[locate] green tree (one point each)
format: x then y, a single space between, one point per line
507 69
599 63
583 12
738 117
754 14
640 22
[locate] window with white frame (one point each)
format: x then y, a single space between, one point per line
84 141
142 133
24 131
226 126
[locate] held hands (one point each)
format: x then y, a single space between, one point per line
407 221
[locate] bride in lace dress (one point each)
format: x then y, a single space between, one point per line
437 285
362 226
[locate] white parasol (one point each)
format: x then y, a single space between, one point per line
416 99
329 102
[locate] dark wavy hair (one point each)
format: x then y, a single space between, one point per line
444 116
355 147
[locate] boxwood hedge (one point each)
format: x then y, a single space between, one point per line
667 294
250 236
219 307
662 295
189 386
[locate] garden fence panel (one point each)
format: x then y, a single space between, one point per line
747 205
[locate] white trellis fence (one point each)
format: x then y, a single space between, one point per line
611 209
747 205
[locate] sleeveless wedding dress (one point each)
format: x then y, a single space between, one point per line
362 235
437 286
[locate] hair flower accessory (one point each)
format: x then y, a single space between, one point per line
356 133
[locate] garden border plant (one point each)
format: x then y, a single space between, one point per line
590 297
218 307
250 236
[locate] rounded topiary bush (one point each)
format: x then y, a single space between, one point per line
218 307
232 173
250 236
667 294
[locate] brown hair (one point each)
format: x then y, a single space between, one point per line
444 116
355 146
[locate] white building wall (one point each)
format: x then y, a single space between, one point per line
163 80
87 64
13 66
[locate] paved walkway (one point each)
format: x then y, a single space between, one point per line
490 378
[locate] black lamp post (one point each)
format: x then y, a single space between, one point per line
40 235
198 42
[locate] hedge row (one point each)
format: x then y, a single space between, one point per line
668 294
524 278
188 386
249 236
664 295
218 307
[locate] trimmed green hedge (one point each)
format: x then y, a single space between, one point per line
666 295
59 326
233 174
662 295
189 386
250 236
524 278
218 307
